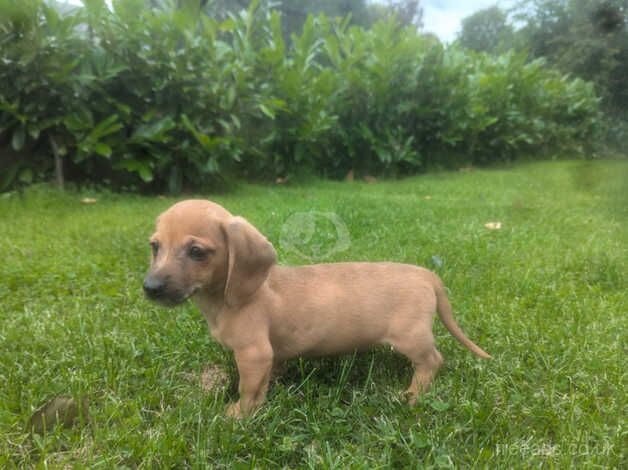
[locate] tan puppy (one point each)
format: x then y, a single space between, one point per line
268 313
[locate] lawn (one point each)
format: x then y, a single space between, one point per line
546 295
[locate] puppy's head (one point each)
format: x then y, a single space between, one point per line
199 247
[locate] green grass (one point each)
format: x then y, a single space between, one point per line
546 295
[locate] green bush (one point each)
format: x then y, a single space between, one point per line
171 98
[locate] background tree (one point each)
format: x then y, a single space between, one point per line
293 12
584 38
588 39
487 30
407 12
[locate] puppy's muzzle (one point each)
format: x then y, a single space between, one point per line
154 287
163 291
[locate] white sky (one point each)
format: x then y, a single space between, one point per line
441 17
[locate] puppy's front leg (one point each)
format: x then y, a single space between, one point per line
254 366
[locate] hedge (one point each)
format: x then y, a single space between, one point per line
138 97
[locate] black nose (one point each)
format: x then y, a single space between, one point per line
154 287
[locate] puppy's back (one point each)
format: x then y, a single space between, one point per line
340 307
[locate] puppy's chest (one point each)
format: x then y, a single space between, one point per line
215 321
216 327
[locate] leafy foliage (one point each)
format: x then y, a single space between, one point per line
586 39
169 98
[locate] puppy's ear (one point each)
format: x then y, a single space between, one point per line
250 259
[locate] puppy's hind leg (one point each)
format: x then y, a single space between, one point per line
420 348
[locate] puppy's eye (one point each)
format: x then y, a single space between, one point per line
197 253
154 246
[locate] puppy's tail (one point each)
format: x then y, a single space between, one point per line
446 316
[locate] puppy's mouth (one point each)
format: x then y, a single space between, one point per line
172 298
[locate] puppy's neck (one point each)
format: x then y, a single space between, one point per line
210 304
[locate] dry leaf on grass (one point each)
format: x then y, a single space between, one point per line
67 459
213 377
493 225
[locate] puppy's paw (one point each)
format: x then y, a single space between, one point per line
233 410
409 397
